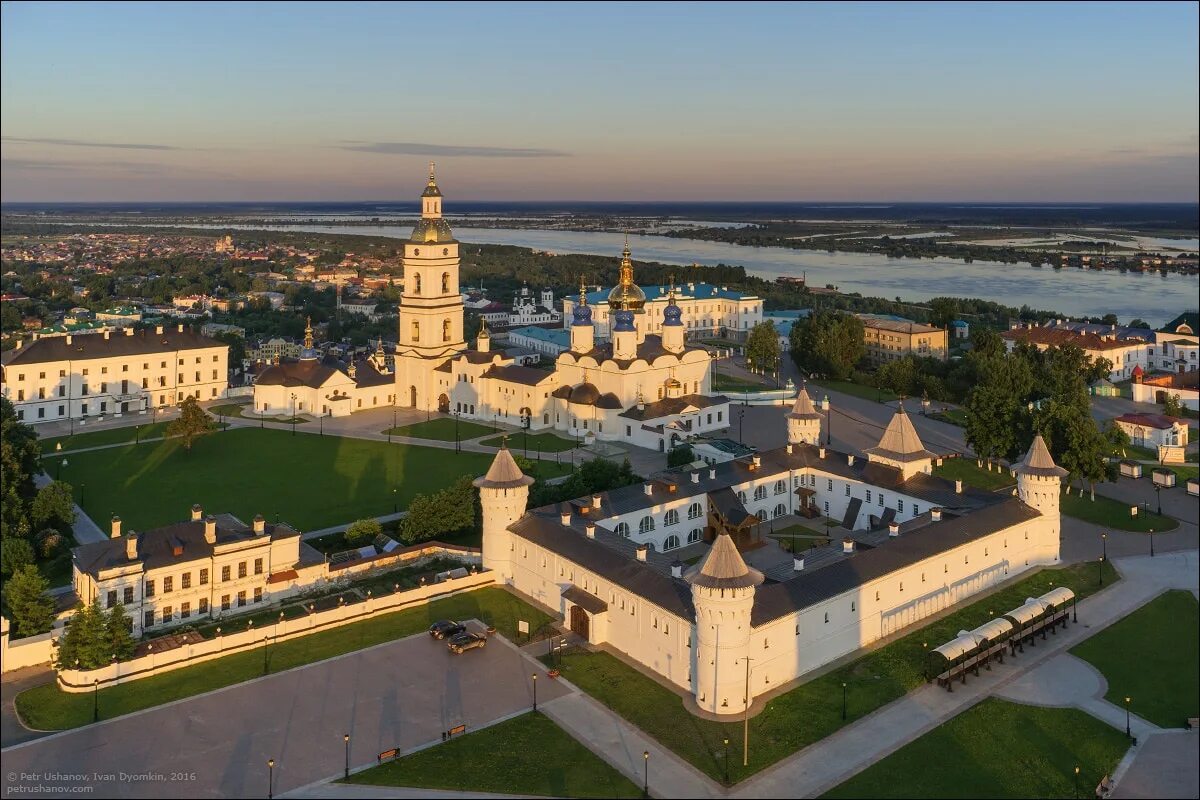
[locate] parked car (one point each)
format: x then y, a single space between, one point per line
445 628
466 641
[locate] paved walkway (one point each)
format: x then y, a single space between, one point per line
1164 765
15 682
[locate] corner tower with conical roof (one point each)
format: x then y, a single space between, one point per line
901 447
804 421
431 307
1039 484
503 496
723 596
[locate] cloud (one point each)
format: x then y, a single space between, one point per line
82 143
419 149
130 167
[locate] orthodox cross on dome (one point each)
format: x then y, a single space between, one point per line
308 333
432 178
582 290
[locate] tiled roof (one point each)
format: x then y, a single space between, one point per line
1159 421
513 373
97 345
900 441
1051 337
673 405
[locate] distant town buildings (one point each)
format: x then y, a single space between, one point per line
708 310
1124 351
889 338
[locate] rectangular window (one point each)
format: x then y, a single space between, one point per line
224 602
167 614
900 506
258 566
186 581
150 587
203 605
185 610
147 619
204 576
225 573
112 597
830 487
847 490
241 569
168 584
128 595
868 495
241 599
257 595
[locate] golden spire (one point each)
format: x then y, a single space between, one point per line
432 179
483 331
308 337
582 291
626 265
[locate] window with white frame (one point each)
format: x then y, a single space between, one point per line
646 524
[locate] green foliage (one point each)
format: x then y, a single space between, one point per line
15 554
997 418
32 609
594 475
85 645
444 511
49 543
237 347
942 311
762 348
680 455
118 634
192 422
20 460
828 343
54 507
363 532
1172 406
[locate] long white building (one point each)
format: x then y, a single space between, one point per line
913 544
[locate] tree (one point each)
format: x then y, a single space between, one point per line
237 347
900 376
680 455
85 641
1171 405
829 343
762 348
1116 437
15 554
54 506
445 511
942 311
363 532
192 422
118 629
997 418
30 605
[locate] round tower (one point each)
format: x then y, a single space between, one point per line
1039 485
583 332
672 327
804 421
503 495
723 595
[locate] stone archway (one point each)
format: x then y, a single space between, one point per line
443 404
412 396
580 623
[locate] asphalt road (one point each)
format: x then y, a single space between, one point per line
401 694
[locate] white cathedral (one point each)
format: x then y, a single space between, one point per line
911 545
650 390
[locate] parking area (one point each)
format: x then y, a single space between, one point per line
397 695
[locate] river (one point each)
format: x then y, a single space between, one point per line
1152 297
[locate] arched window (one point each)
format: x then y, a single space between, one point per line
417 283
780 510
742 498
761 514
622 529
695 534
671 517
695 511
445 330
760 493
671 543
780 487
445 283
646 525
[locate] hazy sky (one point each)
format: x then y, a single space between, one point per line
724 101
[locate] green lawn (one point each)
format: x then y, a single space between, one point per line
812 710
724 383
1113 513
46 708
526 755
1152 656
997 749
520 442
235 410
86 438
955 416
442 429
306 480
859 390
967 471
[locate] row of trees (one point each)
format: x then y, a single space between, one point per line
95 638
828 343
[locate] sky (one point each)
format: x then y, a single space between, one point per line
725 101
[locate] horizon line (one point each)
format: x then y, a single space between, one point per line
825 203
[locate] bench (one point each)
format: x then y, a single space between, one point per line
1104 787
387 755
457 729
1193 723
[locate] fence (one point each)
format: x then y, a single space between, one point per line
26 652
153 663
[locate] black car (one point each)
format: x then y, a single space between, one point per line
466 641
445 628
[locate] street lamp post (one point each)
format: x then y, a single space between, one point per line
1152 542
321 420
1127 733
1100 563
395 501
266 652
534 676
393 426
96 700
1077 781
726 760
1158 495
646 773
346 772
828 422
843 701
1104 545
293 415
270 778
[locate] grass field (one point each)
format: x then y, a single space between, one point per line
1113 513
812 710
47 708
997 749
235 410
1152 657
967 471
526 755
724 383
534 442
85 438
954 416
442 429
859 390
306 480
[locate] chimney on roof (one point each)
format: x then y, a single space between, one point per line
596 502
797 563
129 331
158 329
712 473
642 550
958 487
106 332
590 530
180 327
935 514
821 452
649 489
565 516
756 461
847 545
131 543
789 448
893 529
17 346
197 513
850 459
210 529
116 527
696 476
677 569
69 337
260 525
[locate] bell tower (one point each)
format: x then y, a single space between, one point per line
431 309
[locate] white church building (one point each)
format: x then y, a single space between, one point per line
913 544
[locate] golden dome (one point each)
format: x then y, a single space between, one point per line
626 295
